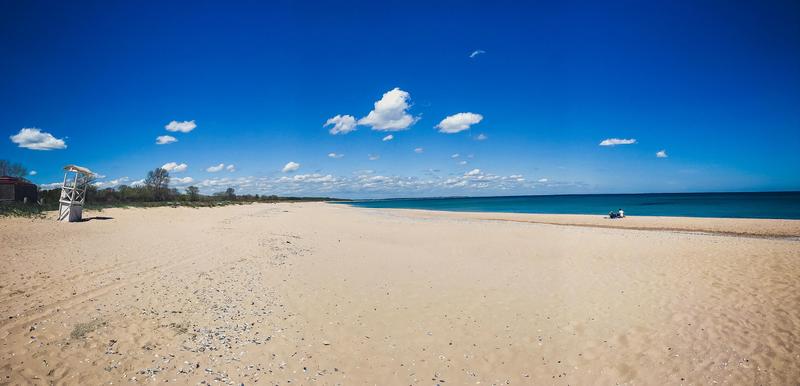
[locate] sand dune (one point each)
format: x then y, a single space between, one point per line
328 294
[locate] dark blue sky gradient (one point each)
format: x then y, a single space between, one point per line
715 84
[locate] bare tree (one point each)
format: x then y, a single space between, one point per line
157 182
12 169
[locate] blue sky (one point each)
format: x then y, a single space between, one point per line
716 85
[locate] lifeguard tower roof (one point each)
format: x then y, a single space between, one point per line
78 169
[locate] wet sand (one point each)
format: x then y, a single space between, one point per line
317 293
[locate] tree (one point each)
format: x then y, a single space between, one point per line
193 192
157 182
12 169
230 194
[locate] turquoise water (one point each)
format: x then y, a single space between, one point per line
779 205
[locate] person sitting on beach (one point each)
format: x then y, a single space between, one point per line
621 213
613 214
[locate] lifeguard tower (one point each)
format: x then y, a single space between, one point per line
73 193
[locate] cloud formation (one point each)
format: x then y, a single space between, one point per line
419 150
476 179
291 167
662 154
165 139
481 137
52 185
388 138
33 173
35 139
183 127
335 155
214 169
308 178
181 181
457 123
390 113
342 124
617 141
373 157
174 167
476 53
366 183
111 184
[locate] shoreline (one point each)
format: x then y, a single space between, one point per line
719 226
722 226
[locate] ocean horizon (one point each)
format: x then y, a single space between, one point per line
764 205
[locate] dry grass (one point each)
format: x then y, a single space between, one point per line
82 329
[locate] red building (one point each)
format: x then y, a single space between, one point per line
17 189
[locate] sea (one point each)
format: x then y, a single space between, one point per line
771 205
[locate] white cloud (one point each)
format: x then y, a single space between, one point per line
373 157
183 127
174 167
419 150
390 112
181 181
291 167
112 183
308 178
662 154
33 172
476 53
165 139
137 183
35 139
231 168
481 137
342 124
477 179
462 162
335 155
617 141
543 180
237 183
458 122
388 138
456 155
52 185
214 169
366 183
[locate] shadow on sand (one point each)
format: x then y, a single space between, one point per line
96 218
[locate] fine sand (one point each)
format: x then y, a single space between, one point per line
319 293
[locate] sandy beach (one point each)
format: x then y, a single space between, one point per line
319 293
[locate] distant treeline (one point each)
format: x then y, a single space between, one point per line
133 195
155 191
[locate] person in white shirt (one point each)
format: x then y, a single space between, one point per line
621 213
